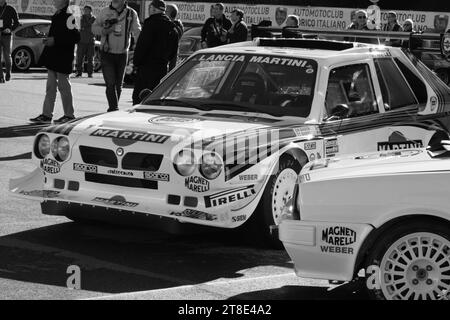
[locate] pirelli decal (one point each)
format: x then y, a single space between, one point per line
230 196
141 136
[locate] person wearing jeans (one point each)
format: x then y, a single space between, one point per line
115 24
9 21
57 57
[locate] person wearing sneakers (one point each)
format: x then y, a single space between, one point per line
115 24
57 57
8 22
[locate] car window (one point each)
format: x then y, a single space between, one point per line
418 87
264 83
41 30
352 86
27 32
395 90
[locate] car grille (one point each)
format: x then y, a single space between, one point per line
98 156
142 161
120 181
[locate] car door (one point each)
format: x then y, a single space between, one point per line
351 87
403 95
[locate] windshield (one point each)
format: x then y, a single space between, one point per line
276 85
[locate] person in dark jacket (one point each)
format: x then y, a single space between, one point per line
86 46
292 21
172 13
57 57
392 26
214 31
156 46
238 31
9 21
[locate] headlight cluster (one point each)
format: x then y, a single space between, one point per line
210 167
59 147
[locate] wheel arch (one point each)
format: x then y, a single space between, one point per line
297 153
379 232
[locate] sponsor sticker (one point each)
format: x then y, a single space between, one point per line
41 193
227 197
120 173
312 157
305 178
189 213
248 177
242 217
338 239
171 120
156 176
50 166
141 136
445 45
310 145
116 201
398 141
196 184
85 167
331 147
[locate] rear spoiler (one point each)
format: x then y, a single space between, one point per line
432 42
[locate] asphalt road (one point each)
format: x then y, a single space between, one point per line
121 262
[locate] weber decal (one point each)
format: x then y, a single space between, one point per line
131 135
331 147
116 201
194 214
50 166
85 167
338 240
196 184
156 176
398 141
248 177
228 197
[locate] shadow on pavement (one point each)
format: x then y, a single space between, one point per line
113 259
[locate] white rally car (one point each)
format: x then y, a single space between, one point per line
226 133
387 212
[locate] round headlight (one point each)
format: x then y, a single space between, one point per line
43 146
61 148
211 165
184 162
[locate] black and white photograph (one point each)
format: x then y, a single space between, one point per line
224 157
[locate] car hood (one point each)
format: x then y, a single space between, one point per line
375 164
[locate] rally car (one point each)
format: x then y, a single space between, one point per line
221 140
387 212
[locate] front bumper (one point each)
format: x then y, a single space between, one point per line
323 250
188 207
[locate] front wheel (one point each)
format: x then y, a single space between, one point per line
412 263
22 59
279 190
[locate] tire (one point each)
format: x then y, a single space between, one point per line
422 270
22 59
278 191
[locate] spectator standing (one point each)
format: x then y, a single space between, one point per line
172 13
157 45
392 26
238 31
292 21
408 26
86 46
9 21
57 57
115 24
360 23
214 31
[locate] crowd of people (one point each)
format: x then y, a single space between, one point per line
155 49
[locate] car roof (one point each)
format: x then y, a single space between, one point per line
33 21
360 51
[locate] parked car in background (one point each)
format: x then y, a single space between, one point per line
386 212
28 44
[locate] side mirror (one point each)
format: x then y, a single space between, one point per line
340 111
144 94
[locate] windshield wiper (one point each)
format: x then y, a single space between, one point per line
238 107
182 103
